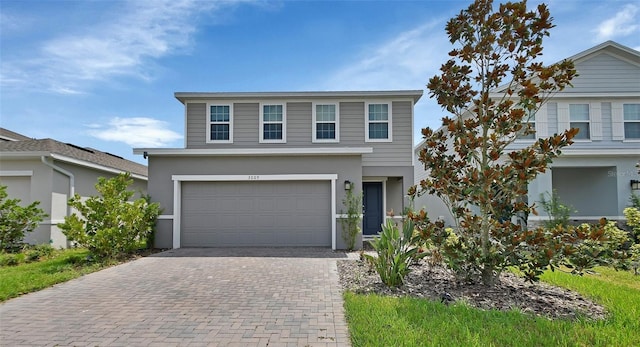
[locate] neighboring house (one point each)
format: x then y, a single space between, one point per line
594 174
271 168
50 172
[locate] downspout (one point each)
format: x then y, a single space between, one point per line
72 181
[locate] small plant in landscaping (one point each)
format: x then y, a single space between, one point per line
603 247
16 220
396 252
111 225
635 201
558 212
351 223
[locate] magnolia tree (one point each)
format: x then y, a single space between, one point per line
492 86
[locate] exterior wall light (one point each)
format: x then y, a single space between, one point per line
635 185
347 185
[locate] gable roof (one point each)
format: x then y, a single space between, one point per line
8 135
629 55
70 153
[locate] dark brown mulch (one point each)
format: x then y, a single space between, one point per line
437 283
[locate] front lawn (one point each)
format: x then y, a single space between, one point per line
60 266
386 321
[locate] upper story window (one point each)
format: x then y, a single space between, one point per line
378 122
220 127
273 123
579 118
631 113
326 126
529 122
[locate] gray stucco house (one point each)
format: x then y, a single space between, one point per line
595 174
271 168
50 171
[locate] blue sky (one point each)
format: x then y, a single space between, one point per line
102 73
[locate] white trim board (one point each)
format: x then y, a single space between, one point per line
177 194
255 151
17 173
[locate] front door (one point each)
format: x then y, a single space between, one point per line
372 208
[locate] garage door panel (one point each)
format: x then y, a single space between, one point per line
218 214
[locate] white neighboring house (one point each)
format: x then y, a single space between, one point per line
594 175
50 171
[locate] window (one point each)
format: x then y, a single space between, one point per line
531 123
220 124
378 122
325 123
272 123
579 118
631 114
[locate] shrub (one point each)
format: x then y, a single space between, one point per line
633 221
395 252
111 226
12 259
635 201
38 252
558 212
351 224
16 220
604 246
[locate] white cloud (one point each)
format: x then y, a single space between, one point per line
624 23
136 132
406 61
403 62
141 32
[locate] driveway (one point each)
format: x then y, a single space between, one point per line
190 297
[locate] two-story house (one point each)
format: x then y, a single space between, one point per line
595 175
273 168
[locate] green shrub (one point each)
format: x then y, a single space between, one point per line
632 216
110 225
12 259
16 220
396 252
35 253
558 212
596 250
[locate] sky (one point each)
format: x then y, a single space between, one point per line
102 74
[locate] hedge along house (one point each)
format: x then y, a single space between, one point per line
595 175
273 168
50 172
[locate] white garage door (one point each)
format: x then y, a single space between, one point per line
265 213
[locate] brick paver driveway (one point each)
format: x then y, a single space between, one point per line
190 297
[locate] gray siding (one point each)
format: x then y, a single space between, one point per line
299 130
552 118
606 73
196 124
162 168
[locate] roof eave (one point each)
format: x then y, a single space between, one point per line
415 95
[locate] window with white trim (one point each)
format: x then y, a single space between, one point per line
220 125
326 123
579 118
378 122
631 116
273 123
530 122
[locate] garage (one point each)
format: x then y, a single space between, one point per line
256 213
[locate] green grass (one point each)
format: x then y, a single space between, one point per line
61 266
385 321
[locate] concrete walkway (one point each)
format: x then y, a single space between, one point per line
189 297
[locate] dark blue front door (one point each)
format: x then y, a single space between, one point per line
372 201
